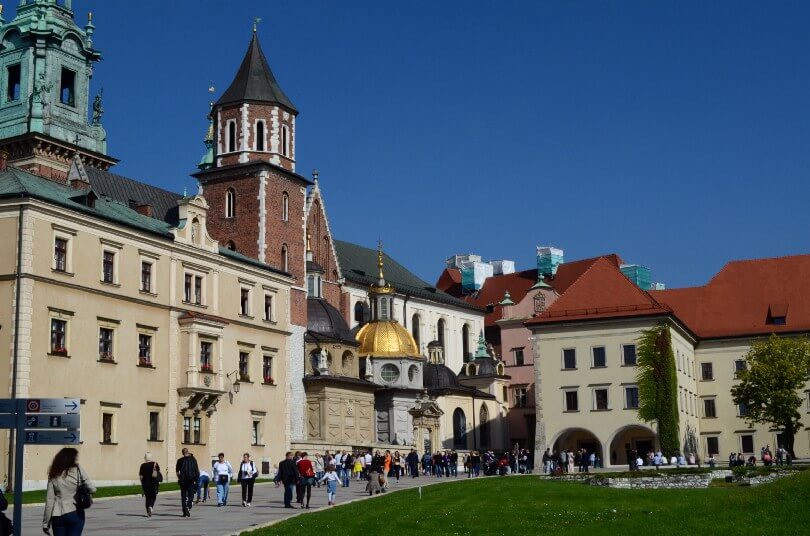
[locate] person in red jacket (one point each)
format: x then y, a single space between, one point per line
307 473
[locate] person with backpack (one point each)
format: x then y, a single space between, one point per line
247 478
68 495
150 477
221 472
188 475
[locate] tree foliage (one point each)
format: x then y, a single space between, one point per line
777 368
658 385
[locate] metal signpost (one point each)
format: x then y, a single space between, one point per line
38 421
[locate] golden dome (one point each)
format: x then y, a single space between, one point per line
386 338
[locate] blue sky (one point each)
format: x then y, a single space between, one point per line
676 134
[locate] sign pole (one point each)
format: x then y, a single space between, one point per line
18 465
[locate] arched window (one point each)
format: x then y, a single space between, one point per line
230 203
347 362
440 331
230 245
459 429
285 207
260 135
362 366
415 321
465 342
231 138
285 140
285 265
483 418
360 312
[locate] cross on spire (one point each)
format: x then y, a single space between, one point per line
256 21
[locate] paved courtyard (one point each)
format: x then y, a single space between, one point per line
127 514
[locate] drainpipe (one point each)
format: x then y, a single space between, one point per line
18 281
475 441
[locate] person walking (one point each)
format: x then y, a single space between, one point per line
397 464
348 465
202 488
188 475
65 477
222 472
150 477
307 473
247 478
412 460
331 478
287 475
318 464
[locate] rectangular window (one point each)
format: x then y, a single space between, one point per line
521 398
244 302
186 429
519 356
187 288
600 399
107 428
60 252
231 138
747 443
629 354
105 344
206 364
144 350
631 397
739 365
108 267
311 286
599 358
569 358
146 276
256 433
709 408
198 289
197 430
285 142
13 79
571 401
154 426
58 336
244 366
706 371
67 87
268 307
267 369
712 446
742 410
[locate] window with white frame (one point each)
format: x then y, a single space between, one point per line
267 369
631 397
230 136
709 408
285 140
261 133
147 275
600 399
106 335
244 301
108 262
207 356
230 203
145 340
521 397
154 425
193 288
571 399
107 427
706 371
244 365
60 253
599 357
629 357
285 207
285 265
518 355
569 358
59 331
268 307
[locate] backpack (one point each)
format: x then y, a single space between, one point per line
186 473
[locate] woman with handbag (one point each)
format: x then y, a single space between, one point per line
68 495
307 473
151 478
247 477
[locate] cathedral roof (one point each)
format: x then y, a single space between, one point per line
325 321
386 338
255 81
439 379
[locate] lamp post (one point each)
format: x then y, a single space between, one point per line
235 381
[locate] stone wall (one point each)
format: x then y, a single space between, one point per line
654 482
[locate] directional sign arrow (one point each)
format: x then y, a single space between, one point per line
69 406
51 438
51 421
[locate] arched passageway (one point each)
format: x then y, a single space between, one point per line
634 437
574 439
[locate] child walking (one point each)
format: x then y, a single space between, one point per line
331 478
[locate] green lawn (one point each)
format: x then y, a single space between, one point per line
528 505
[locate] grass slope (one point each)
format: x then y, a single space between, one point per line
528 505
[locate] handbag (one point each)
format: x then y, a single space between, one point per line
82 497
157 476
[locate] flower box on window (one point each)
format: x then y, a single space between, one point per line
106 356
205 367
269 380
144 362
59 350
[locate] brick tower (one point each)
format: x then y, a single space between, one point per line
256 198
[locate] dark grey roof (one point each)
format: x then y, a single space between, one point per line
359 265
324 322
439 377
126 190
255 81
486 366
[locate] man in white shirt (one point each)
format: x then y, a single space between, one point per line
366 463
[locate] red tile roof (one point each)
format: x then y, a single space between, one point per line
601 291
740 300
450 282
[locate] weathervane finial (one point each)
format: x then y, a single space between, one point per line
256 21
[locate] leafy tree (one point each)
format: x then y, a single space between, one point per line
776 369
658 385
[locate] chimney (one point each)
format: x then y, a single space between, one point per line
144 209
3 160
